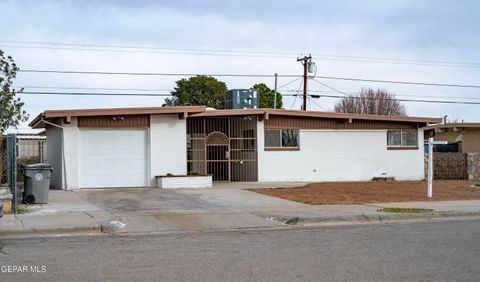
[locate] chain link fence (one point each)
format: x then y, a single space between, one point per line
16 150
9 167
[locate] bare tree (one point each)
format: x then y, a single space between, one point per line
454 119
371 102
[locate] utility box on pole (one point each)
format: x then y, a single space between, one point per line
241 99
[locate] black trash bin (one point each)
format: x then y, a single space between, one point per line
36 183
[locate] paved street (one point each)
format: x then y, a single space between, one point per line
434 251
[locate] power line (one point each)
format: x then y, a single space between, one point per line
94 94
152 48
329 87
397 61
295 100
147 73
103 94
399 82
292 95
404 100
247 75
284 91
312 101
310 91
396 94
225 52
288 83
91 88
148 52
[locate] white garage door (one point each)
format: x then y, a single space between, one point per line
113 158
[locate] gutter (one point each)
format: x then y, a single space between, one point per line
64 166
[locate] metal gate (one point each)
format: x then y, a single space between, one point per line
225 147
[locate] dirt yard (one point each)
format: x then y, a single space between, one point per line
375 192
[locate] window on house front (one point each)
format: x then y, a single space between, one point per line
281 138
402 138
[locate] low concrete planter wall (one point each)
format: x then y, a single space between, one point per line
184 181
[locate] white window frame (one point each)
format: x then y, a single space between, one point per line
281 147
401 145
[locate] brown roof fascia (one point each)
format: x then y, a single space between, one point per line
235 112
116 111
124 111
349 117
295 113
454 125
201 111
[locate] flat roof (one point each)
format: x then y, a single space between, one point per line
53 114
454 125
202 111
312 114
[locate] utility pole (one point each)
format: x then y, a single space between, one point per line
305 60
275 92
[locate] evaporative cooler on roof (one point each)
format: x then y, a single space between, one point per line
241 99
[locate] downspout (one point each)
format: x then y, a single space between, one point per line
64 166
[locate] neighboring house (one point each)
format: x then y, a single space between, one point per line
128 147
461 137
31 147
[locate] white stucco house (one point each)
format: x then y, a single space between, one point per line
129 147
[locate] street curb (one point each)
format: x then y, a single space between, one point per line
52 230
286 220
369 218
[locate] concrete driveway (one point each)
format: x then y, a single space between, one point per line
153 209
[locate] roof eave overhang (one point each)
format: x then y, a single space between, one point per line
68 114
352 117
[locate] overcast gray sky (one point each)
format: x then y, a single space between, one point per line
415 31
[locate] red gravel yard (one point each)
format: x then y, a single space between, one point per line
375 192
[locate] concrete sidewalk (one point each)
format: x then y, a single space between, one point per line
368 213
66 213
151 210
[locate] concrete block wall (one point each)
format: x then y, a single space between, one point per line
168 146
71 140
339 155
68 139
55 156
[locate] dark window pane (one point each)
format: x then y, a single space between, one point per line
272 138
289 138
409 138
394 138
